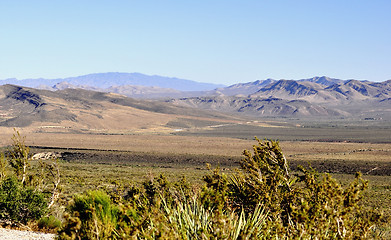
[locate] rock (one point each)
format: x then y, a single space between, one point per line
46 156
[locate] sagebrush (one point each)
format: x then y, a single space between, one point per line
263 200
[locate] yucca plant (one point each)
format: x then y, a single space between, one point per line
188 218
250 227
192 220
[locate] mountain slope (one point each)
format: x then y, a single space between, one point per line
267 107
325 81
254 87
357 90
285 89
245 88
295 90
340 93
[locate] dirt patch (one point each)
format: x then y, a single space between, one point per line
199 160
131 158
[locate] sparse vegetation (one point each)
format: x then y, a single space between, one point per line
262 199
329 131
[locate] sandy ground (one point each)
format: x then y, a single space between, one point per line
10 234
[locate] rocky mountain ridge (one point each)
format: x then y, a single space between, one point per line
315 97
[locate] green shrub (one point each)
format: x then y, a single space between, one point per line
20 204
19 157
214 194
307 204
264 178
93 216
49 222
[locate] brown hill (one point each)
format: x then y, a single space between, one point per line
76 110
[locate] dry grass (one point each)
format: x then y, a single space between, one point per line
310 151
306 151
138 143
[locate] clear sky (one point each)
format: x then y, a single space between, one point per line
219 41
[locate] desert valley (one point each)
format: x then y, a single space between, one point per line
105 133
201 120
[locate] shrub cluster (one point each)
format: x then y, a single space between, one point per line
25 195
20 204
261 200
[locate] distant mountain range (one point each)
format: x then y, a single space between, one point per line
114 79
313 97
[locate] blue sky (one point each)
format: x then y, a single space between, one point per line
222 42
